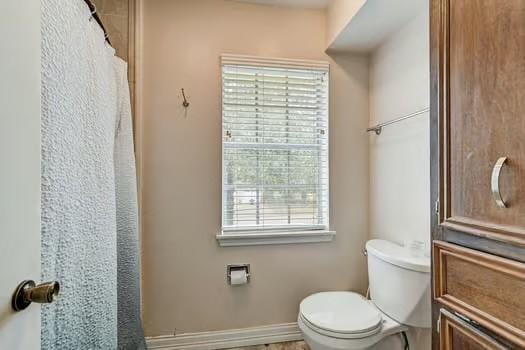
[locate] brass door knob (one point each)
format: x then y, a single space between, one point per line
28 292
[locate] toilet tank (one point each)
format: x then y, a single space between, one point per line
400 282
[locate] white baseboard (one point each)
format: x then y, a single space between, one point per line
231 338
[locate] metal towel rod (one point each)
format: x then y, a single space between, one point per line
379 127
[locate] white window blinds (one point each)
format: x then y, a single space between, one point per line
275 144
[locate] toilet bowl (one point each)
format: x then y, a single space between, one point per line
400 297
344 320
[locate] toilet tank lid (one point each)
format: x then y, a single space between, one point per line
399 255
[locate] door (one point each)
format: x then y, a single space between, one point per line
478 160
19 168
482 117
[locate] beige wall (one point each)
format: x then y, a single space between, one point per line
184 283
399 157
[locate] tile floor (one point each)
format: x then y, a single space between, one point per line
296 345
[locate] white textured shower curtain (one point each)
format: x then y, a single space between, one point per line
130 334
85 127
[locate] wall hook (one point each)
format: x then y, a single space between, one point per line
185 103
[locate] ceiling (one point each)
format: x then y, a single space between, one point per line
316 4
374 22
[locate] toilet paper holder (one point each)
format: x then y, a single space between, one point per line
236 267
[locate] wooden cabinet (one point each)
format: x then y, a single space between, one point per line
477 112
456 334
487 289
485 116
481 107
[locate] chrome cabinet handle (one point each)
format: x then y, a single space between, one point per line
494 183
28 292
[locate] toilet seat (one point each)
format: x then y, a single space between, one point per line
343 315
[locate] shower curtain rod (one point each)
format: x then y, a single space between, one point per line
95 15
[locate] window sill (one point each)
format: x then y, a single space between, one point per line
292 237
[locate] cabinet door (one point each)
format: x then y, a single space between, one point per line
481 109
456 334
477 117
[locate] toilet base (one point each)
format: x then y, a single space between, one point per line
392 342
388 338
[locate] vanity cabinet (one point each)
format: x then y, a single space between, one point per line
477 124
456 334
487 290
478 101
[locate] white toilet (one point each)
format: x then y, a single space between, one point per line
400 297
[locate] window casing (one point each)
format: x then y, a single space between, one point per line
275 145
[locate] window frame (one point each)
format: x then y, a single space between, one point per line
277 235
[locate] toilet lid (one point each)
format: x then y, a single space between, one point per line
341 313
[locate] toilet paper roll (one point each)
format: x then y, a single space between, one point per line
238 277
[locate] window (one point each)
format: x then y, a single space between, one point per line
275 146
